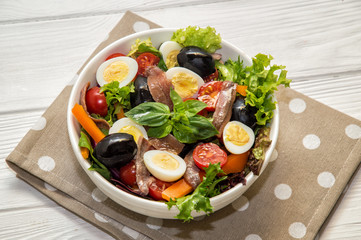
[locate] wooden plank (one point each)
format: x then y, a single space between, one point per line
42 10
54 50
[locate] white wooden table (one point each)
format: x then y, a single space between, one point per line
43 43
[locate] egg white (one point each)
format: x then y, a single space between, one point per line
233 148
124 122
173 71
164 174
130 62
167 47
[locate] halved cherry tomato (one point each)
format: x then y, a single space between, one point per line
127 174
146 60
207 153
211 77
156 188
209 92
96 102
114 55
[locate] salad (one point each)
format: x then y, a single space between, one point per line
178 123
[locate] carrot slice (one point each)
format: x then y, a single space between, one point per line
84 152
87 123
177 190
120 114
235 163
242 90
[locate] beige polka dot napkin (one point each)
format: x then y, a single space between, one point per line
318 151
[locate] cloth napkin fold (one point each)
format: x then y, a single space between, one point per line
317 152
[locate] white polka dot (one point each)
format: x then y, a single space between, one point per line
49 187
311 141
274 155
240 204
297 105
326 179
46 163
283 191
297 230
98 195
101 217
140 26
154 223
253 237
40 124
130 232
353 131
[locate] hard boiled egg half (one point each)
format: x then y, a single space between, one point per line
164 165
237 137
121 69
185 82
126 125
170 50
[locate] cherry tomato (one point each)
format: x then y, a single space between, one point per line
114 55
146 60
211 77
156 189
127 174
209 153
209 92
96 102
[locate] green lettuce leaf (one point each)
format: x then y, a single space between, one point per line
205 38
199 199
231 71
95 164
116 98
261 81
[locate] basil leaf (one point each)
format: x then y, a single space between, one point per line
201 127
151 114
192 107
178 104
183 133
161 131
143 47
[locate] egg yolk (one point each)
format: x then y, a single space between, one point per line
185 84
135 132
171 60
237 135
116 71
165 161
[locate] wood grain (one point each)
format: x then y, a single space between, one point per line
43 44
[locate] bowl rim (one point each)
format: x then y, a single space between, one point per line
250 178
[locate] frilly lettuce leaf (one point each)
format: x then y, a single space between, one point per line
205 38
261 82
199 199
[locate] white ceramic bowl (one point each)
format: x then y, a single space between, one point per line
134 203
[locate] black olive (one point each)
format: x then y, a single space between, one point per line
244 114
116 150
141 92
197 60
